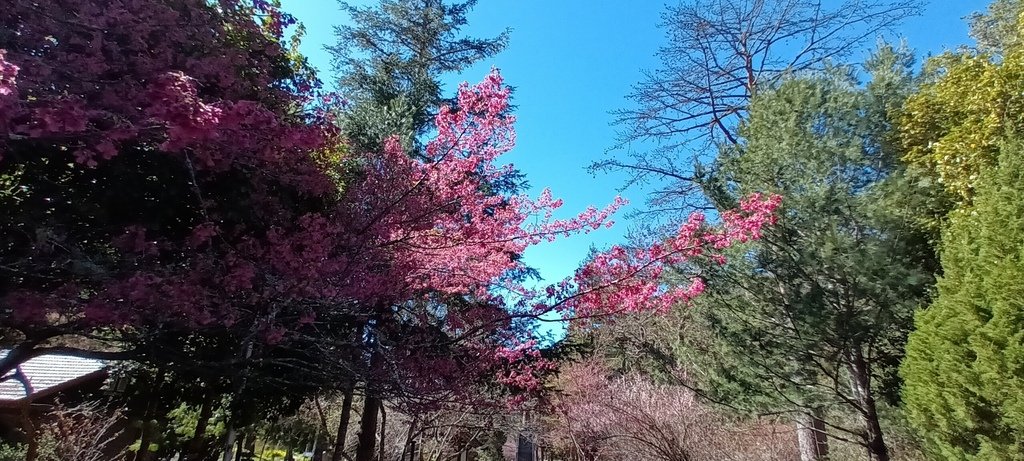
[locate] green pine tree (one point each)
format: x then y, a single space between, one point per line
812 318
391 60
964 369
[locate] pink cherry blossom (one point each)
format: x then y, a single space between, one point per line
249 224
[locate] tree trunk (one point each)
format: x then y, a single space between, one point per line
383 429
346 415
368 428
320 441
411 431
860 377
150 425
251 445
32 452
371 402
197 446
320 446
240 448
145 439
810 431
229 444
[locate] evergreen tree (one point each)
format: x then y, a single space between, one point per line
716 57
812 319
964 369
391 60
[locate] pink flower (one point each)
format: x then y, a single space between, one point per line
8 75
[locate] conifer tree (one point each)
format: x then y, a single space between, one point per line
964 368
391 60
811 319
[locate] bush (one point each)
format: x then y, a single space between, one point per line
12 452
964 368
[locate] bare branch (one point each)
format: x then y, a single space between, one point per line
718 55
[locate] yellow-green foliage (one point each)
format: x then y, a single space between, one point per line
278 454
953 126
337 162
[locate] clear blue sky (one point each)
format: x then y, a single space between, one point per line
572 61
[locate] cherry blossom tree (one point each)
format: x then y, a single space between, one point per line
178 195
152 151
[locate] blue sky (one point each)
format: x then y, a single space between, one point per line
571 62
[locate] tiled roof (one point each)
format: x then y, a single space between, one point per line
47 371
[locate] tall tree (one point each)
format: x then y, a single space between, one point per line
812 318
391 60
964 362
137 171
953 126
962 130
184 194
718 54
996 29
169 200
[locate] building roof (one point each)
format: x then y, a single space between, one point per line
48 373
